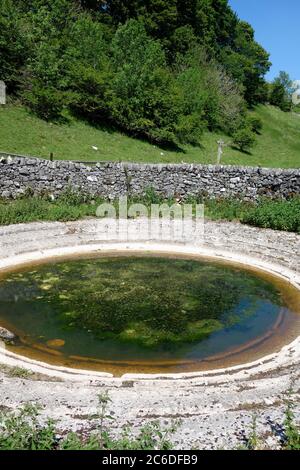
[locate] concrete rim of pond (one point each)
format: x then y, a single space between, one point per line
67 240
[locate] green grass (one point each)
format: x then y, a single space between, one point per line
21 132
266 213
19 372
296 109
36 209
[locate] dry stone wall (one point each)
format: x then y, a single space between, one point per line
20 174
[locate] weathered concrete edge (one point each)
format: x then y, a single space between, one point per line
288 355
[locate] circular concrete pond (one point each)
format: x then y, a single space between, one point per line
81 305
146 313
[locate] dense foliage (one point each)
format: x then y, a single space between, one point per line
164 70
277 215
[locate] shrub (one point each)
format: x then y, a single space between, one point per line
291 429
20 430
209 93
71 206
244 138
90 87
277 215
225 209
255 124
47 102
296 108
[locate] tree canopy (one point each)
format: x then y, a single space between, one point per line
161 69
281 91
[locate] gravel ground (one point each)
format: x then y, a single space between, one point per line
213 414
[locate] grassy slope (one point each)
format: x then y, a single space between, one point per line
21 132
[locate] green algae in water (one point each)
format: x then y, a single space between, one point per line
133 307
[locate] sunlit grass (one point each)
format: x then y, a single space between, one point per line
21 132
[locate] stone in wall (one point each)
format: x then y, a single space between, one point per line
20 174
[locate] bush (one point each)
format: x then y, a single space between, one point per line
47 103
255 124
21 431
291 429
225 209
296 108
70 206
90 88
244 139
209 93
277 215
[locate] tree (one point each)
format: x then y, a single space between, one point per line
281 92
14 48
248 63
46 83
92 4
158 16
244 138
161 69
90 71
210 91
143 94
211 23
182 42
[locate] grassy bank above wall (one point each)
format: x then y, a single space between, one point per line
278 144
276 215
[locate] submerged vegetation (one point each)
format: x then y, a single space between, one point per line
145 301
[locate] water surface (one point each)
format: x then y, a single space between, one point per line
138 310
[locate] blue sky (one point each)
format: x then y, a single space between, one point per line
277 25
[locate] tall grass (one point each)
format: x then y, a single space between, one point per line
71 206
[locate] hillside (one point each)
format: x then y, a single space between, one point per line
22 132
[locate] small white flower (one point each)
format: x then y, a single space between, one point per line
94 148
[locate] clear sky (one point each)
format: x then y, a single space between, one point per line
277 27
